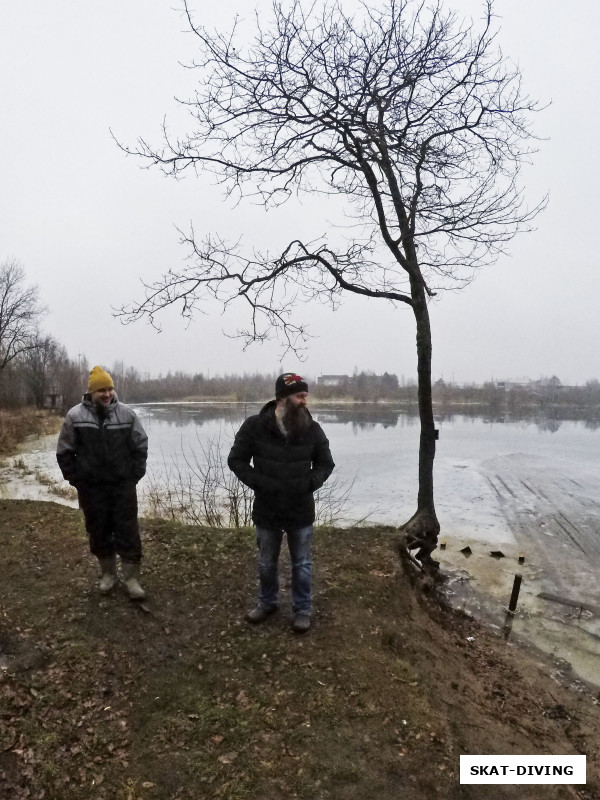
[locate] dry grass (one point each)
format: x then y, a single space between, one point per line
19 424
196 487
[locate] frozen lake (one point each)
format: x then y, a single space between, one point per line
376 451
525 487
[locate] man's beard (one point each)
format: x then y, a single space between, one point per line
295 419
101 409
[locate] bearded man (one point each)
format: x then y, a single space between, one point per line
290 460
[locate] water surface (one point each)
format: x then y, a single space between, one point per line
519 486
376 452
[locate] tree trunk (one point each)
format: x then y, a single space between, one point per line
422 528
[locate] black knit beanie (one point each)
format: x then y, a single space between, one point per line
289 383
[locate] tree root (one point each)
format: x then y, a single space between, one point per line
421 534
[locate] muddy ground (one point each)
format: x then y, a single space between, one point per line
550 519
103 699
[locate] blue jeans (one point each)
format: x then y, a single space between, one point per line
269 546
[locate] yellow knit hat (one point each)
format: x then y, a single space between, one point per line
99 379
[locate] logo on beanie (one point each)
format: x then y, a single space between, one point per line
289 383
291 378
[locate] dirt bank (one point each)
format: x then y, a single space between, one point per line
101 699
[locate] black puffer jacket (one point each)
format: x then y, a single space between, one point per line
285 471
95 450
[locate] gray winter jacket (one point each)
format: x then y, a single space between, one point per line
95 450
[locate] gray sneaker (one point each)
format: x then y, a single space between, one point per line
301 623
260 614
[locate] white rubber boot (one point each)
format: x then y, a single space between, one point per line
108 580
131 576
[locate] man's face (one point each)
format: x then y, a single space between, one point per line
297 399
103 396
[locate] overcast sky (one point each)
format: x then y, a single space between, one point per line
87 222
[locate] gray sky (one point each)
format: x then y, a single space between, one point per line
87 222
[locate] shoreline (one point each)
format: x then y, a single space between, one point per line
386 681
566 634
526 522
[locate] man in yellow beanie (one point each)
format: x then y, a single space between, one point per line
102 450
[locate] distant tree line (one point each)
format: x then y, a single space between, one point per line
364 386
135 387
496 396
248 387
36 370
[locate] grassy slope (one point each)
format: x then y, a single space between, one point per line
100 699
18 424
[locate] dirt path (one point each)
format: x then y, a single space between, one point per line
101 700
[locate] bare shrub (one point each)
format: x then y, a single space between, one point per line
200 489
331 501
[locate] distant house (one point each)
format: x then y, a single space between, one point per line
524 383
332 380
361 380
54 399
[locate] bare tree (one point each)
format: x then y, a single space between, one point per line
411 115
40 366
48 371
20 313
